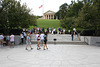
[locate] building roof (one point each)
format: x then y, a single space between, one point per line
49 12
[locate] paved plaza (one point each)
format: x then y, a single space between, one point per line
59 55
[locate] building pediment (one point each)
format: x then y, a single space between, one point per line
49 12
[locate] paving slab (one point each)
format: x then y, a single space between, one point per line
56 56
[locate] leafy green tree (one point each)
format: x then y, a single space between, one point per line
67 22
14 16
74 10
63 10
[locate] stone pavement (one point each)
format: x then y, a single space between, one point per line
59 55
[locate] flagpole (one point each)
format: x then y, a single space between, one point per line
43 9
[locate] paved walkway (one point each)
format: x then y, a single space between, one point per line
56 56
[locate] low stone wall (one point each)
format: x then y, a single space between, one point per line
91 40
17 40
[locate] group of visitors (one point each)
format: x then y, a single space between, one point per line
48 30
8 40
41 39
41 36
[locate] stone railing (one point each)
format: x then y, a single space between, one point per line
91 40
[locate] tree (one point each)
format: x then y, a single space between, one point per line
14 16
74 10
63 10
67 22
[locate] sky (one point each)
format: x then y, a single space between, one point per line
52 5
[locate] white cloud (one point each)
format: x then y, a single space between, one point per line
48 5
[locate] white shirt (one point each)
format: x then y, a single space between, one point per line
74 29
12 38
42 36
1 36
24 34
37 35
21 35
54 29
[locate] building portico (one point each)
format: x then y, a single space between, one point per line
49 15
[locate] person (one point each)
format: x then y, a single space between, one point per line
4 42
49 30
24 35
28 41
12 40
22 38
38 40
54 31
74 29
63 30
42 38
69 31
45 30
72 34
35 30
45 41
1 40
57 30
8 39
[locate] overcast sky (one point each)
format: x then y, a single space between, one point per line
52 5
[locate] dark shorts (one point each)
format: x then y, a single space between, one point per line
45 41
12 42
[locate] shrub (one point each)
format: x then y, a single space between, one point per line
87 33
15 31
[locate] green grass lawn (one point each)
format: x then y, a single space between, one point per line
48 23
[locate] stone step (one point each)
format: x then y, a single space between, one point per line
67 43
59 37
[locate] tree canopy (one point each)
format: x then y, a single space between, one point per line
81 14
13 15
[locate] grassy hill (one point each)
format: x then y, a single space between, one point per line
48 23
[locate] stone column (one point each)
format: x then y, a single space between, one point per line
45 16
48 16
53 16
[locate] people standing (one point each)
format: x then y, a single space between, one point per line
22 38
63 30
74 29
28 41
8 40
57 30
24 33
49 30
72 35
42 38
12 40
1 40
45 41
38 40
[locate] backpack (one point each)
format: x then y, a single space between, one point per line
38 37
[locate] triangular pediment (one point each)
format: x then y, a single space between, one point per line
49 12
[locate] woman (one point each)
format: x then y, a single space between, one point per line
12 40
28 41
45 41
38 40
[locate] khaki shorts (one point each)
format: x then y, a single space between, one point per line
1 41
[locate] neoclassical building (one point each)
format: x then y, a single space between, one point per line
49 15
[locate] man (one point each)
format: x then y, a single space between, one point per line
1 40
